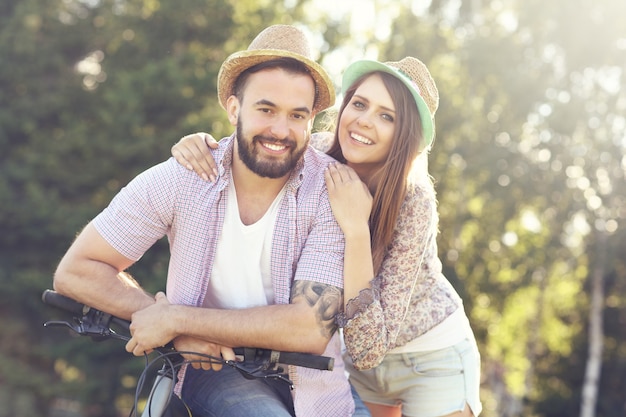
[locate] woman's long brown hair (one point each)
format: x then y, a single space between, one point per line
392 177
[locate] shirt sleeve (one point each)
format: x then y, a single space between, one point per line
321 259
141 213
374 319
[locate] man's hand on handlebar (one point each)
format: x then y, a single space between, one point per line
172 348
150 328
191 344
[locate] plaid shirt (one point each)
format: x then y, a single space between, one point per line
308 244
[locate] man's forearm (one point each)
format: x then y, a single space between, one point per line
104 289
289 327
305 325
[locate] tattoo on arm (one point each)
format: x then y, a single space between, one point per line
327 300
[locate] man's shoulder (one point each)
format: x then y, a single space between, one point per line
171 167
224 143
168 178
223 152
315 158
312 170
309 179
167 169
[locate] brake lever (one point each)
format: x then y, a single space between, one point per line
86 327
77 328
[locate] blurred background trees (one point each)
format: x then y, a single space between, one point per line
529 165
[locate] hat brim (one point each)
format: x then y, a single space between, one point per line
238 62
359 68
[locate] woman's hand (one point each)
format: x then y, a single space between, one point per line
194 152
349 197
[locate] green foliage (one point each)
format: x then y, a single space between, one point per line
528 161
91 93
528 164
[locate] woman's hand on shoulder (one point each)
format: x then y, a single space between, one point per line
349 197
194 152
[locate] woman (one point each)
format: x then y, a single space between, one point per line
410 349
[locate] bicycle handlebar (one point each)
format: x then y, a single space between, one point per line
102 321
307 360
54 299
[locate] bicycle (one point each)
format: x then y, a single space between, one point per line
251 363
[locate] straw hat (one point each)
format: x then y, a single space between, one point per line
278 41
415 76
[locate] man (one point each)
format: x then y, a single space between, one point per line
256 257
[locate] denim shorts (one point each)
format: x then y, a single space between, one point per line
425 384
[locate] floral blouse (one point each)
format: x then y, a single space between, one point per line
410 295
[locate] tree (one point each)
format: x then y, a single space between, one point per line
528 165
92 93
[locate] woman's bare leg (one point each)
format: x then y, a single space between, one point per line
379 410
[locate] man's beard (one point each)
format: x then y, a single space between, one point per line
249 155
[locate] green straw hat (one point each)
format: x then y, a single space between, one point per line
415 76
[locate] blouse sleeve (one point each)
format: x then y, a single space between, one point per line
322 141
373 320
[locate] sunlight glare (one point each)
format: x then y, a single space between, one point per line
531 222
509 239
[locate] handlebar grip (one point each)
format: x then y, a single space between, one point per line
62 302
307 360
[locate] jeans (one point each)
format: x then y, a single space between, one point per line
227 393
360 410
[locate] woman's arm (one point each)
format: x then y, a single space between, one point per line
374 320
351 203
194 152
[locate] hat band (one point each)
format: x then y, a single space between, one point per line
413 83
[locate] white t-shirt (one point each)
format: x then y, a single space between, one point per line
241 275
